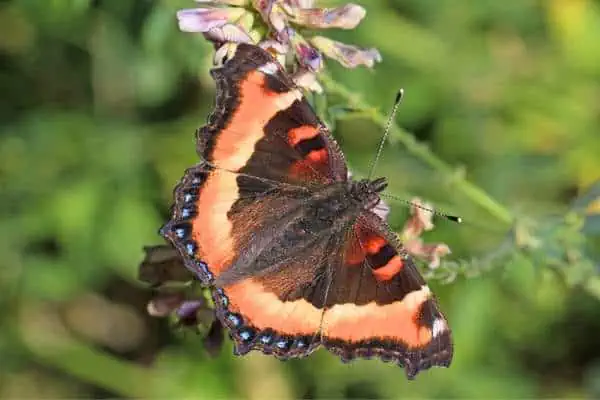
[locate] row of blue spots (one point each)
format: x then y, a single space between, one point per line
186 212
247 335
223 298
190 248
204 268
188 197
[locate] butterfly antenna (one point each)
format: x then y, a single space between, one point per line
449 217
386 132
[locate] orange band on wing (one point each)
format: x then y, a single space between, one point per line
396 321
235 144
348 322
389 270
233 148
211 228
301 133
264 309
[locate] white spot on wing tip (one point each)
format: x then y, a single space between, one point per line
439 326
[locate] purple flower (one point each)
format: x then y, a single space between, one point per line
205 19
347 55
274 25
178 295
307 56
345 17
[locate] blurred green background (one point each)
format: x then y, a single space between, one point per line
98 107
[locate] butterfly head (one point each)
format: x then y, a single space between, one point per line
367 191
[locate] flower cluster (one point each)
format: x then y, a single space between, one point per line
178 295
420 221
279 26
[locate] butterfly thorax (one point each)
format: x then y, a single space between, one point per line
366 192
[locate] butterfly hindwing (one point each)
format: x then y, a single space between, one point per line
379 305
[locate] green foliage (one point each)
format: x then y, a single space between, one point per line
100 101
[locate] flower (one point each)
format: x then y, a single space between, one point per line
205 19
345 17
179 295
347 55
419 222
274 25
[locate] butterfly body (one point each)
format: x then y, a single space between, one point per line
292 248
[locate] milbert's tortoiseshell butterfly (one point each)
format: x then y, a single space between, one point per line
289 244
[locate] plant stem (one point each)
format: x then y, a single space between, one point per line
473 192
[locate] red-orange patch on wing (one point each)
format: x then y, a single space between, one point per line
301 133
314 162
373 244
390 269
396 321
362 244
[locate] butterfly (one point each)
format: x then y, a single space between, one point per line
291 247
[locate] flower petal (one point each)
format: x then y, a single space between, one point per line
277 18
347 55
213 342
205 19
238 3
307 79
307 55
189 308
274 47
263 7
228 33
432 253
345 17
164 304
273 13
300 3
194 312
419 221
